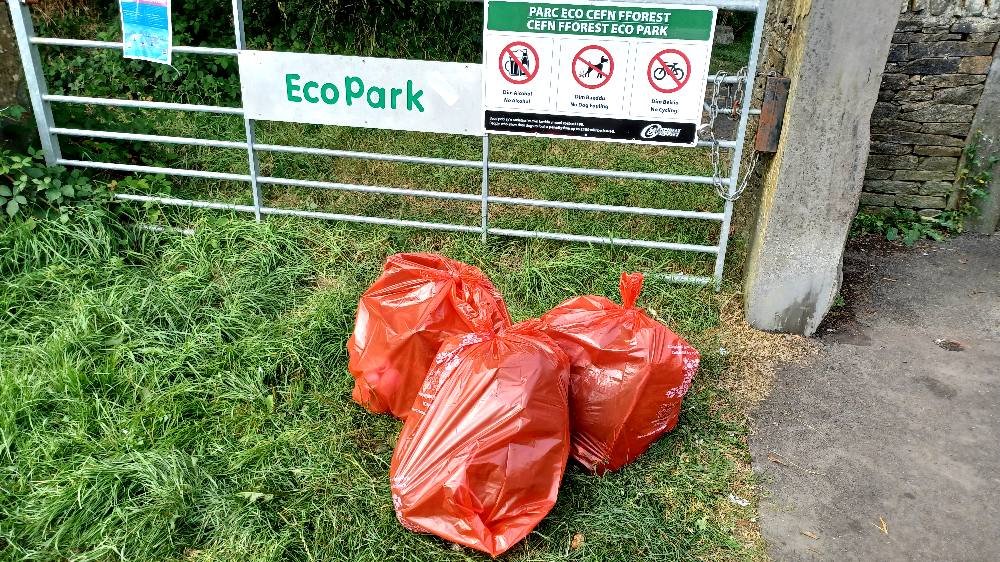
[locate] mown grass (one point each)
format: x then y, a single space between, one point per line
165 397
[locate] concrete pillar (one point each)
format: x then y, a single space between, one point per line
835 56
987 120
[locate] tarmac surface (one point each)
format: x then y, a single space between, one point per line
886 444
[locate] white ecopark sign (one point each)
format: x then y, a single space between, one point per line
608 71
409 95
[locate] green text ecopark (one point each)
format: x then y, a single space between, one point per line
354 90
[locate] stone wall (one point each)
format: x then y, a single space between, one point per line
933 81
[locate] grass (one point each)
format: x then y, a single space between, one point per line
174 398
165 397
565 153
733 57
67 68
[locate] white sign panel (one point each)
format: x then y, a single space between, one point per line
611 71
434 97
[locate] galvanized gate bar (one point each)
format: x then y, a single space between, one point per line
28 43
445 195
258 197
88 44
568 205
153 170
184 202
370 220
674 178
192 141
502 166
369 156
484 205
140 104
606 240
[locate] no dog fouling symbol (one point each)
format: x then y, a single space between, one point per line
593 67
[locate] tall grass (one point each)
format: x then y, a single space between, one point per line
165 397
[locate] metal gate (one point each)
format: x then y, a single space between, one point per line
727 185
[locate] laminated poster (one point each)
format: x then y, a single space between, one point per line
147 33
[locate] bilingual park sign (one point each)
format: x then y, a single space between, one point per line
609 71
409 95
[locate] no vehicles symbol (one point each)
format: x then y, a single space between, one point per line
669 70
593 67
518 63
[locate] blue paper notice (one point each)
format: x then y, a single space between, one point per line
146 30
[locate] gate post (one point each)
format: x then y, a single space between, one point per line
20 14
248 125
835 53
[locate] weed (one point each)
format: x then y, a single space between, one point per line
976 175
29 187
908 226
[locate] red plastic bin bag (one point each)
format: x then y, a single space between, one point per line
419 301
480 459
628 375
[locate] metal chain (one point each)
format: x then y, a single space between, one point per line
709 130
746 179
737 96
720 183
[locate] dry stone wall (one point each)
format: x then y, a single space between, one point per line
933 81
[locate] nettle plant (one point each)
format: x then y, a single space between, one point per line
976 174
29 187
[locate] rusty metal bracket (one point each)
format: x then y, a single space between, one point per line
772 114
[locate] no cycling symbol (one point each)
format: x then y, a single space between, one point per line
518 63
593 67
669 70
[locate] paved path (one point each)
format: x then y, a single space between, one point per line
886 423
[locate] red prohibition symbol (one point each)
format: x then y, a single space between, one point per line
599 69
669 70
519 63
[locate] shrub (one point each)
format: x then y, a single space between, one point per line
420 29
29 187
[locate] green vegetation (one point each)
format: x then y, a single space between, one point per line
976 176
904 225
171 397
908 226
165 397
29 187
361 28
